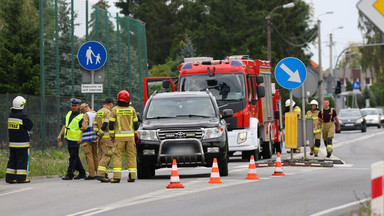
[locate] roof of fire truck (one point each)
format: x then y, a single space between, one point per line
231 64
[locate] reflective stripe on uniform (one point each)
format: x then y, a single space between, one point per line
21 172
316 148
101 168
124 133
117 170
317 131
112 119
314 118
18 144
106 135
132 170
11 171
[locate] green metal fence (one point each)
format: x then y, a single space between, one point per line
64 26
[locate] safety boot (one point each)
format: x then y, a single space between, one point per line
115 180
23 181
297 150
80 176
68 177
312 151
105 180
131 180
11 181
329 153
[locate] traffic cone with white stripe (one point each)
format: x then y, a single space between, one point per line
252 169
175 179
215 174
278 167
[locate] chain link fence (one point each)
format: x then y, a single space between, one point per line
65 26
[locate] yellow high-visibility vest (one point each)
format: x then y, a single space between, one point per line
72 131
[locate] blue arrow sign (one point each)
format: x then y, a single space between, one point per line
290 73
356 85
92 55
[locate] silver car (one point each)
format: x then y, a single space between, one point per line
372 117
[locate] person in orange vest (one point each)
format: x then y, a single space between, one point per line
314 113
88 139
100 126
19 126
328 116
123 123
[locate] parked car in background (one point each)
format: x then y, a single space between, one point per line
372 116
352 119
381 115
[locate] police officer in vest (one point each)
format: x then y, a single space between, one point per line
100 126
314 113
328 115
72 132
297 110
123 123
19 126
89 140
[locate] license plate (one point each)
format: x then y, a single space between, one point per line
185 150
349 125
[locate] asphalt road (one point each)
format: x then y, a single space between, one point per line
303 191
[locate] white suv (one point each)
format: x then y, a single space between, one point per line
372 116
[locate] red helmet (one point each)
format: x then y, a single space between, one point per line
123 96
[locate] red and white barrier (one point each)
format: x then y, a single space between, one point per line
377 199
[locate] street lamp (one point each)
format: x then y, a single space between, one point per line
321 93
332 70
268 18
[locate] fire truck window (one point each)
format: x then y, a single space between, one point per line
251 84
230 86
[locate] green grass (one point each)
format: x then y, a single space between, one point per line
52 163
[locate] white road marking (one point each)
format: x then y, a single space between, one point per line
16 191
154 196
327 211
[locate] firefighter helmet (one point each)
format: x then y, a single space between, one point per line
123 96
18 103
288 102
314 102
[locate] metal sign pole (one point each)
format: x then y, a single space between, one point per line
93 94
290 110
304 120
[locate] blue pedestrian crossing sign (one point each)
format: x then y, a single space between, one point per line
356 85
92 55
290 73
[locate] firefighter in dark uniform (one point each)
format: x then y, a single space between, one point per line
123 123
328 115
18 127
72 132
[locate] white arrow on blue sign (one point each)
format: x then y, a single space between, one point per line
290 73
92 55
356 85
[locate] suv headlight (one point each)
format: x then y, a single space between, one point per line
210 133
150 135
359 121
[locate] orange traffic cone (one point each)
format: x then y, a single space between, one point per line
278 167
252 169
175 179
215 174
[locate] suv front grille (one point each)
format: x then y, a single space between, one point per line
180 134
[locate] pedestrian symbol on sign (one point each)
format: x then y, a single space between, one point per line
92 55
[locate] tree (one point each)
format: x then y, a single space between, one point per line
19 47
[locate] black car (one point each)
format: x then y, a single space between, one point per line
186 126
352 119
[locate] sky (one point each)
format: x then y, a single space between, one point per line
345 14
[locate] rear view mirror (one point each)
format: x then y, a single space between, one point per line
259 79
277 114
260 91
166 84
140 119
227 113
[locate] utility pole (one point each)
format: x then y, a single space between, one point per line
330 53
321 93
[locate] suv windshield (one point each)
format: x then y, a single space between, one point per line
181 107
224 86
349 113
369 112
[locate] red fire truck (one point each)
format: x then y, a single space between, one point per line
238 83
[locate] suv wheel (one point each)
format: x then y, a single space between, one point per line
379 125
246 155
364 128
144 171
223 166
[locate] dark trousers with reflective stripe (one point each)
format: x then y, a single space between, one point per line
17 164
74 160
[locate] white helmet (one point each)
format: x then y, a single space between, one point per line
288 103
314 102
18 103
